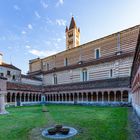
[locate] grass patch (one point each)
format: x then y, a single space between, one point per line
93 123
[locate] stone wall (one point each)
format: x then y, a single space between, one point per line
135 79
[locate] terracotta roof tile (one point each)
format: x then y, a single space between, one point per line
9 66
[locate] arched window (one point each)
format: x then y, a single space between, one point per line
48 66
111 73
84 75
55 79
97 53
66 62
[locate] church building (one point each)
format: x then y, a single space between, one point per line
97 72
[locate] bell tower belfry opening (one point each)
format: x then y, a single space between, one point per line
72 35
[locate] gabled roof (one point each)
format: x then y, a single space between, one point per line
72 23
9 66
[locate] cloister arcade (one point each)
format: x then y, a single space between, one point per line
73 97
91 97
16 98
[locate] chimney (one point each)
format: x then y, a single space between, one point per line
1 58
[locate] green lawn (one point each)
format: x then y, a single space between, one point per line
93 123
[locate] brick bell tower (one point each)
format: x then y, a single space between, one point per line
72 35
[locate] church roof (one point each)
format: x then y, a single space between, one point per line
9 66
72 23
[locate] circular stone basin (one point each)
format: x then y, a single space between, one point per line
71 133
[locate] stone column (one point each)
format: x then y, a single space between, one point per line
114 96
108 96
24 97
121 96
91 96
32 97
10 97
102 96
97 96
28 97
82 94
2 104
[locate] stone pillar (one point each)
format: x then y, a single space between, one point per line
102 96
108 96
2 104
24 97
97 96
10 97
28 97
3 91
82 94
114 96
32 97
121 96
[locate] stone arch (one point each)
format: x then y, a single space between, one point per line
94 96
89 96
60 97
22 97
64 97
105 96
67 97
13 97
18 99
71 97
48 97
84 96
118 96
100 96
34 98
8 97
26 97
39 97
75 97
53 97
125 96
30 97
57 97
80 96
112 96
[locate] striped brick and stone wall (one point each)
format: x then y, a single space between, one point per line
135 79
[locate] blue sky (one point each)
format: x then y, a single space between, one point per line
36 28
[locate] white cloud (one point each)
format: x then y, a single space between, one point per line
28 47
60 2
37 14
61 22
44 3
23 32
41 53
16 7
30 26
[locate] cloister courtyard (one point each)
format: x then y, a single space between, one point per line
92 123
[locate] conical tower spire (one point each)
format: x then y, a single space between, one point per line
72 23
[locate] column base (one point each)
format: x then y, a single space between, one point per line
4 112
